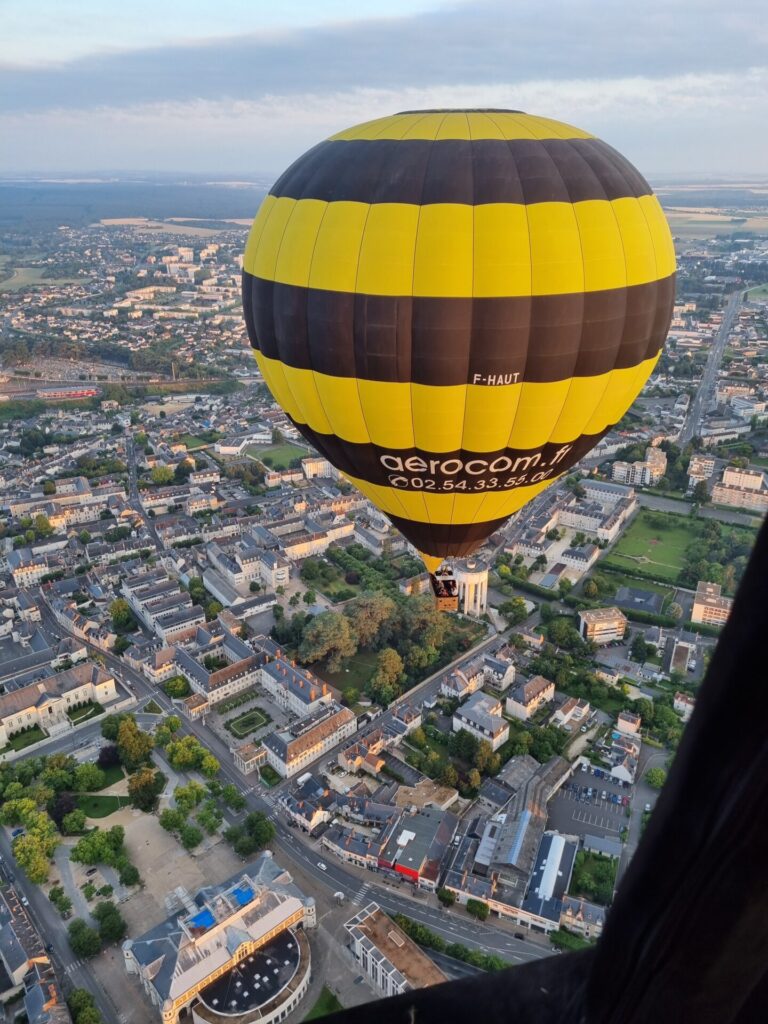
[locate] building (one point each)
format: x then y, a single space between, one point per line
221 666
481 716
740 497
471 575
45 703
291 750
392 961
644 473
700 469
709 606
249 757
602 625
415 845
746 479
628 723
26 972
684 704
293 689
526 698
572 715
550 877
235 951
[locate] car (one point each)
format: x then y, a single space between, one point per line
49 948
91 871
322 866
604 795
17 832
625 801
519 935
647 808
583 728
25 901
358 979
583 767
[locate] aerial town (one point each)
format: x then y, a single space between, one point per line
249 762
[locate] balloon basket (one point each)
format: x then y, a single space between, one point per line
445 589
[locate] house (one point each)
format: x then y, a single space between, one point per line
481 716
628 723
709 605
572 714
526 698
602 625
684 705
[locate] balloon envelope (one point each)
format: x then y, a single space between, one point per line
455 306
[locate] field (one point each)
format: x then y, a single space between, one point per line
25 277
651 549
356 672
699 222
101 806
112 775
625 580
326 1003
281 454
247 723
761 292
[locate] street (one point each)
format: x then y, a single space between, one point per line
700 402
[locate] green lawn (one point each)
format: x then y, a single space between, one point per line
101 806
269 776
281 454
760 292
112 775
90 710
653 549
247 723
623 580
153 708
195 441
356 672
326 1003
26 739
25 277
338 590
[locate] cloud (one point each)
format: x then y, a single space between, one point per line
676 86
664 124
489 42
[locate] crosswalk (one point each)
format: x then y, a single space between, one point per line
364 895
70 969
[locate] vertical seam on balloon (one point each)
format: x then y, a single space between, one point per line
520 123
297 403
620 172
584 299
471 317
413 282
354 355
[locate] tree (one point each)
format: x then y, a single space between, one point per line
293 600
189 796
73 824
62 805
328 636
232 797
446 897
564 586
190 836
474 779
256 832
43 526
88 778
676 611
656 777
112 926
31 856
590 589
483 755
162 475
368 616
49 487
144 788
133 744
111 725
639 649
514 611
351 696
448 774
700 493
212 609
108 755
478 909
122 616
389 668
83 940
309 597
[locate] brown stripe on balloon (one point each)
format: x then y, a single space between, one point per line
422 172
445 540
449 341
456 472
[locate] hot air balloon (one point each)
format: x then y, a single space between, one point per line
454 306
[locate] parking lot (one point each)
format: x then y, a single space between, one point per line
588 804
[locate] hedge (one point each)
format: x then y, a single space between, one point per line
649 618
703 628
530 588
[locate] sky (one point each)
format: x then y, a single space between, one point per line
242 87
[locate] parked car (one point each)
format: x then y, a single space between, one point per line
17 832
25 901
625 801
91 871
647 807
604 795
519 935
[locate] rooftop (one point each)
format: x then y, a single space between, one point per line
392 942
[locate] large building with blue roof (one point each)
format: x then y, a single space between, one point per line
235 951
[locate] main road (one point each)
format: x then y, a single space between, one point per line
701 399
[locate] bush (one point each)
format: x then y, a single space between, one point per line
84 941
478 909
446 897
